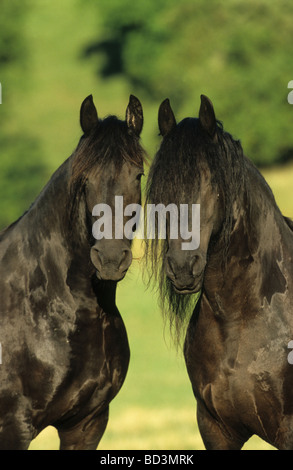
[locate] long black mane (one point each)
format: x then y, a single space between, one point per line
175 177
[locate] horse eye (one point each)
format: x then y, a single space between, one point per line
139 176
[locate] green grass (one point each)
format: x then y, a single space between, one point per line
280 180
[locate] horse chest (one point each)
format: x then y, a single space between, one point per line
238 372
90 372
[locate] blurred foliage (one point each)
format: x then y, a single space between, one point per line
238 53
20 163
54 53
11 26
21 170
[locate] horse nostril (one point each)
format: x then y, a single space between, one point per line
125 259
193 264
96 257
196 265
170 268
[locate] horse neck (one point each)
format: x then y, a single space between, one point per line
49 215
257 242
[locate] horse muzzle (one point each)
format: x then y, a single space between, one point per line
112 263
186 273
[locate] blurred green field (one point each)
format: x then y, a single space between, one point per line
155 408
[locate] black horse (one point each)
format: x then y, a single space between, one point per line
236 345
65 350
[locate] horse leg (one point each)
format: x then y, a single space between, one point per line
16 430
87 434
15 437
213 436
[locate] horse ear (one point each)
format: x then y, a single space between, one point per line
134 115
167 119
88 115
207 116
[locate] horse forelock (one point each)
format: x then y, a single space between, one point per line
110 142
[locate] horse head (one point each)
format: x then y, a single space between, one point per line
113 168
